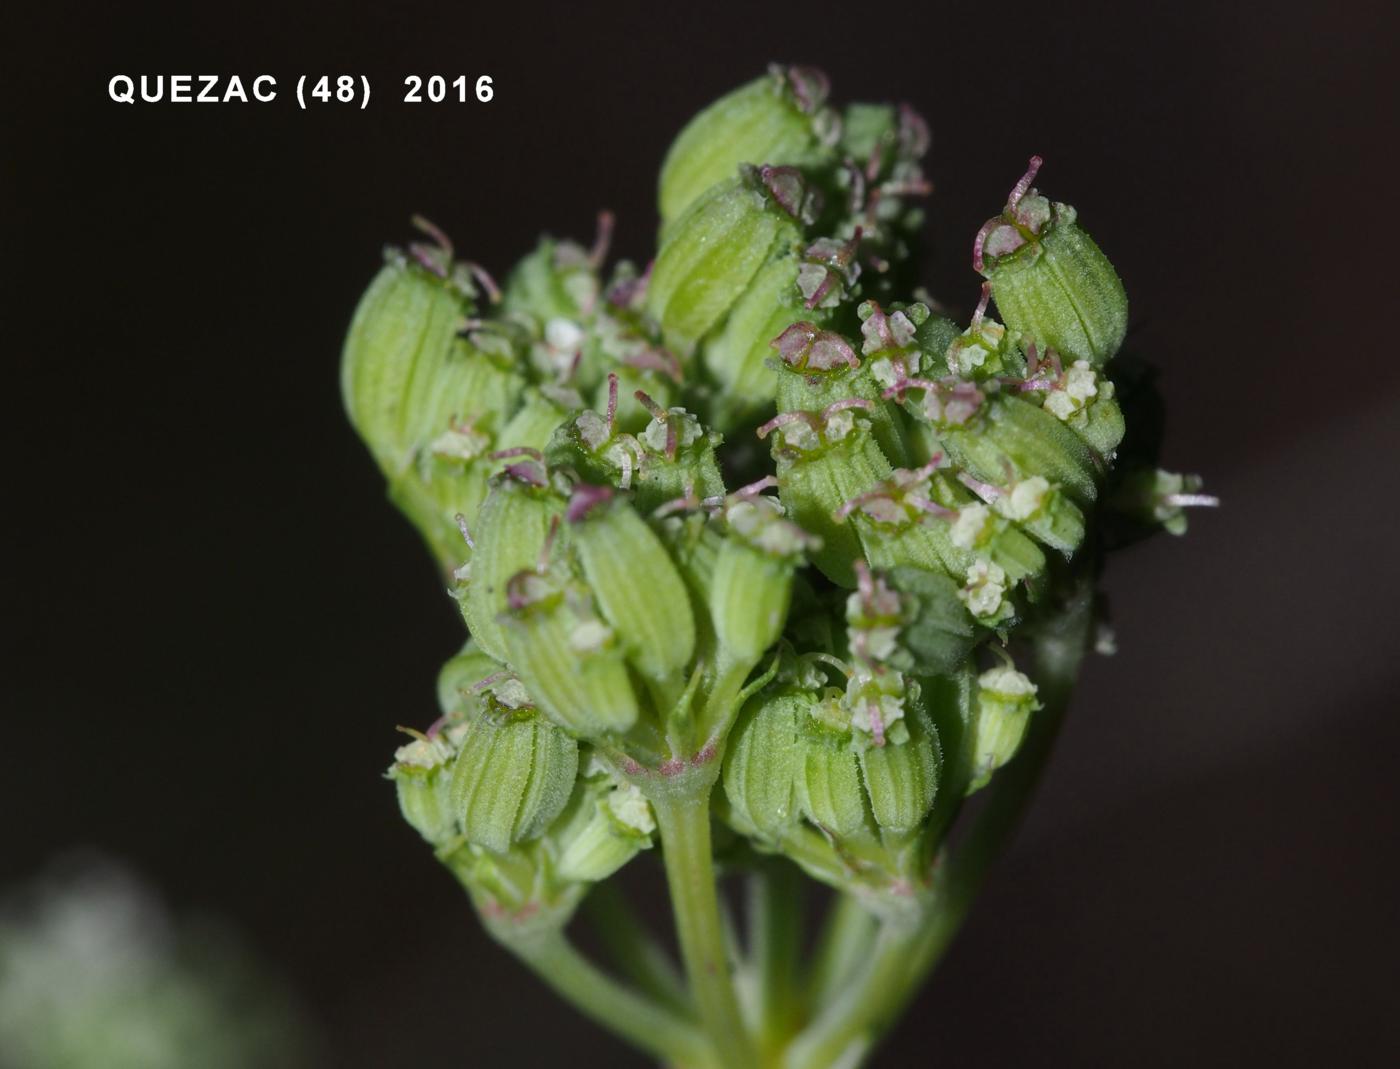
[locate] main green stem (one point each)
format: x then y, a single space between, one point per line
684 824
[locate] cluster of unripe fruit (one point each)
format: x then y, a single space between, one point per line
757 514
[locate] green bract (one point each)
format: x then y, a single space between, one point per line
743 541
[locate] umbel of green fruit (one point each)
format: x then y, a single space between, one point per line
765 556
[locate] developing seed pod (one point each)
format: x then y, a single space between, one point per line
400 339
829 789
1004 431
712 253
1048 277
567 656
512 531
901 778
450 475
1100 425
608 823
751 586
422 775
1005 701
636 585
428 402
514 772
777 119
449 479
737 355
823 460
761 763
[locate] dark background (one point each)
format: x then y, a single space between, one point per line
214 621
